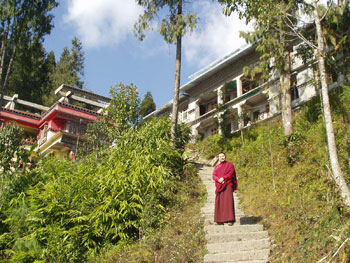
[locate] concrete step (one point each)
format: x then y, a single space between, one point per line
216 229
246 220
244 242
240 217
229 237
240 220
246 245
262 254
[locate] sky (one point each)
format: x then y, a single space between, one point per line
114 55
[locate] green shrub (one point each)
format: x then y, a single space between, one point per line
286 182
212 146
76 209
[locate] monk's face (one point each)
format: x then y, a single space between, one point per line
222 157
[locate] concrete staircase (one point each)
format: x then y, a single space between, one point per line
244 242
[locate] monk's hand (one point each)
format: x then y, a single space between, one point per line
221 180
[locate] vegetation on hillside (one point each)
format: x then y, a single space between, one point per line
180 236
69 212
286 181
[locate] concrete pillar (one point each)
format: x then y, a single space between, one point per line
219 93
239 87
196 110
220 101
240 120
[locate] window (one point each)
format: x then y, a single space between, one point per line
214 131
43 134
202 109
207 106
230 91
249 84
228 127
76 127
184 116
293 87
256 115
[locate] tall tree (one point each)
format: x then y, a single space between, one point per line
68 70
21 20
337 43
332 147
30 72
273 41
174 25
123 110
147 105
319 51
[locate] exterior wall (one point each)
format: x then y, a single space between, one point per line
58 128
248 102
48 129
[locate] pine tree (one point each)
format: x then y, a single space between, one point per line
69 70
29 76
147 105
21 22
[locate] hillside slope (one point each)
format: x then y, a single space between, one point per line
285 181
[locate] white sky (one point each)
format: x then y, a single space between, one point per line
113 55
106 23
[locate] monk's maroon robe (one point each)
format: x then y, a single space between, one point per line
224 203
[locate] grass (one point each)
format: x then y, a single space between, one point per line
289 186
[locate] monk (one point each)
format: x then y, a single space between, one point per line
224 176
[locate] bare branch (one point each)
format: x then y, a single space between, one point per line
328 8
290 24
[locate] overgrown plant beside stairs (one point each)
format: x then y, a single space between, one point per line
70 212
286 181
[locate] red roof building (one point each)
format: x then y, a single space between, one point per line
59 129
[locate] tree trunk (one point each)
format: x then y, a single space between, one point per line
287 114
2 61
2 58
177 82
332 148
347 143
9 66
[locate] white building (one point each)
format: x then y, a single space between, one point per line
221 88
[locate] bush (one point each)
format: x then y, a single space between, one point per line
286 182
79 208
212 146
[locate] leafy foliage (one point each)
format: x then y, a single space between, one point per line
21 23
124 108
76 209
173 24
180 237
30 72
286 181
68 70
147 105
122 113
10 147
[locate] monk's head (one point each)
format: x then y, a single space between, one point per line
222 157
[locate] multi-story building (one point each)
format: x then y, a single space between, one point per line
56 130
222 88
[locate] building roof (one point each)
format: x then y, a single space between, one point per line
216 66
204 73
